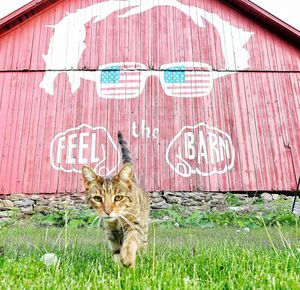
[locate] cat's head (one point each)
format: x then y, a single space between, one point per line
113 196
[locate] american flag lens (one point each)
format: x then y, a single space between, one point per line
187 80
120 80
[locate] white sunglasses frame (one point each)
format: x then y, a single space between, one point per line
145 73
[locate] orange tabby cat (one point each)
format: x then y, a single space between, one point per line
122 206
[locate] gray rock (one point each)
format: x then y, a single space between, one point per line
242 197
155 194
7 204
266 196
219 196
35 197
199 198
208 198
173 199
160 205
14 197
4 214
176 193
157 200
276 196
192 195
191 202
24 202
216 202
27 210
242 209
43 202
78 198
42 209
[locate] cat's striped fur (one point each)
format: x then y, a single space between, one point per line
122 206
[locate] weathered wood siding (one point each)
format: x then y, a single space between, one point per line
206 98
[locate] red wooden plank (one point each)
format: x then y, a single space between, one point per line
12 178
6 107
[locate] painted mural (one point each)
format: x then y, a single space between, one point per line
125 80
205 97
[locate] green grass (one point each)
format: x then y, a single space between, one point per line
211 258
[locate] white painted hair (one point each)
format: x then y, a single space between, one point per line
63 55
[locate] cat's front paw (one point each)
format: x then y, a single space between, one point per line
127 258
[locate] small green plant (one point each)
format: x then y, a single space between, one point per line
178 216
74 219
232 199
258 200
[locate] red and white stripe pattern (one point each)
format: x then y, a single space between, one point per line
124 82
198 81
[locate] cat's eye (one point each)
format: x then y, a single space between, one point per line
118 197
98 198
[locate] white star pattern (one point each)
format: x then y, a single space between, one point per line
110 75
175 75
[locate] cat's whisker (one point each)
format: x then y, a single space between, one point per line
137 228
129 222
126 220
129 213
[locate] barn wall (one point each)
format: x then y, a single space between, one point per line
207 99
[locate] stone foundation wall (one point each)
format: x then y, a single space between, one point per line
25 205
191 200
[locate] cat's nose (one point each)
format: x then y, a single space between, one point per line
108 211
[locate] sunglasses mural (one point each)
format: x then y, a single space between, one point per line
197 149
128 80
180 79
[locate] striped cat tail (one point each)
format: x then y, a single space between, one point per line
126 157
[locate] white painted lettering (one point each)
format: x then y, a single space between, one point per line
155 133
82 146
94 159
134 128
145 131
203 145
202 150
211 147
214 149
189 141
71 146
60 147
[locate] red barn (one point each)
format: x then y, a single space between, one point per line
207 94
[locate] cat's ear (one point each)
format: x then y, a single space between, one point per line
89 176
126 173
